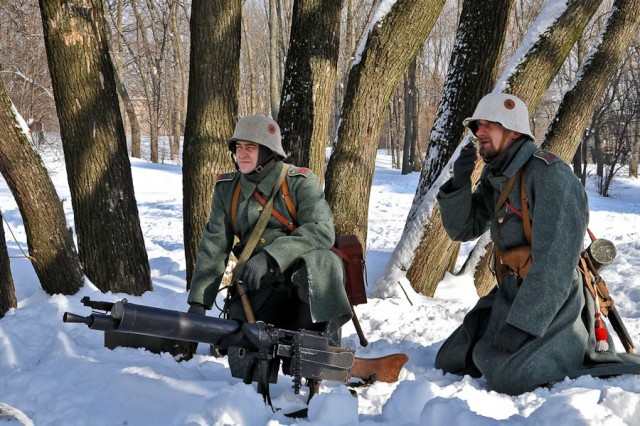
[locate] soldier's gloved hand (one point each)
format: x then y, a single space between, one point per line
254 270
509 338
463 166
188 349
197 308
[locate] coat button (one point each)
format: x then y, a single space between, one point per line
262 241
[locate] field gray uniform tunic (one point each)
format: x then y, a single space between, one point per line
304 254
551 303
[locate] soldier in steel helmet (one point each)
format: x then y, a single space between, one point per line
536 326
293 279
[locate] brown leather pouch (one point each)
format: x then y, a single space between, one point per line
518 259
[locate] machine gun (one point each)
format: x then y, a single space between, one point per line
262 346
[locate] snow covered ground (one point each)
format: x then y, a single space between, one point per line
52 373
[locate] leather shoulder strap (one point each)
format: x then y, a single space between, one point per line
287 199
505 192
526 221
234 207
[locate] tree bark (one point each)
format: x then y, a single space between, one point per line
211 111
134 125
7 288
309 82
471 74
531 78
528 81
50 243
390 47
411 119
274 27
178 83
110 241
576 109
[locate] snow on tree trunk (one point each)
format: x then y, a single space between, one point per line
567 129
50 242
471 74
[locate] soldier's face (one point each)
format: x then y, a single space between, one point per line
247 156
490 138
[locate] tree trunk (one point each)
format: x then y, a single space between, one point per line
178 84
391 46
531 78
566 131
274 92
110 241
150 63
441 252
309 82
7 289
136 146
480 260
410 118
528 81
471 74
396 126
50 242
253 78
211 111
576 162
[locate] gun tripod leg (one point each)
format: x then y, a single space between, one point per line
314 388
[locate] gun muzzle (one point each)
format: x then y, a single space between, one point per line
73 318
94 321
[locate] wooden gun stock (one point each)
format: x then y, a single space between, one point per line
384 369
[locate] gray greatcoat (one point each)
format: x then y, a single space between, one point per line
551 303
303 254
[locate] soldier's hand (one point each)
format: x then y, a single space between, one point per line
509 338
188 349
463 166
197 308
254 270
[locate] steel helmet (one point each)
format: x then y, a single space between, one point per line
261 130
504 108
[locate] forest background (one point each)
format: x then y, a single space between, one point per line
352 75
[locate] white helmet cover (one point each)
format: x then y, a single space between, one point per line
508 110
261 130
